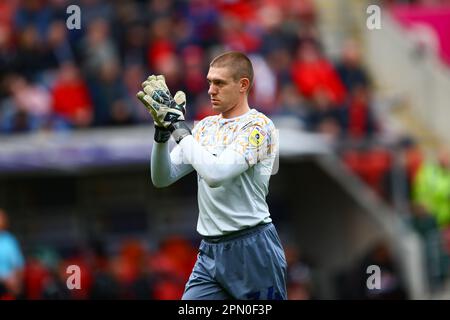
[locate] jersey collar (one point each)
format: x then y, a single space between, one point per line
225 120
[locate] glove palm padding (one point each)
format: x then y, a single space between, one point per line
164 108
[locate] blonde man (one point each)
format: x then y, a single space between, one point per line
240 256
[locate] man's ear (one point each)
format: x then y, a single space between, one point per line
244 85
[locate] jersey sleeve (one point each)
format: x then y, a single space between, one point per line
256 141
198 128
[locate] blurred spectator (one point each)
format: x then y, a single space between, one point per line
359 120
323 115
7 13
158 9
109 96
35 276
104 285
130 32
36 13
98 48
235 34
134 45
71 99
18 122
42 278
32 98
129 268
239 9
78 259
96 9
280 61
432 187
398 179
194 74
352 284
161 45
299 276
311 72
391 283
350 69
203 109
172 265
437 260
264 90
61 50
203 23
371 164
134 75
11 261
32 57
274 36
170 66
6 51
291 104
121 114
27 105
330 129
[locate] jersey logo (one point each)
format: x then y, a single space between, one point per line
256 137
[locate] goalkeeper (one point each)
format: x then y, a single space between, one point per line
240 256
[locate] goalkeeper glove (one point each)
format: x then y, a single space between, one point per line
167 111
161 134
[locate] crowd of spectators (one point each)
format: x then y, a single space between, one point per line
130 268
55 78
131 272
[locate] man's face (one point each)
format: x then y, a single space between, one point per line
224 91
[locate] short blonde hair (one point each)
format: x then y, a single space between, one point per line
239 64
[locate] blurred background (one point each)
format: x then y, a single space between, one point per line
362 115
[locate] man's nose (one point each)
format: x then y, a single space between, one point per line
212 90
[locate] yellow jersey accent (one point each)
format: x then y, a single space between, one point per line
256 137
